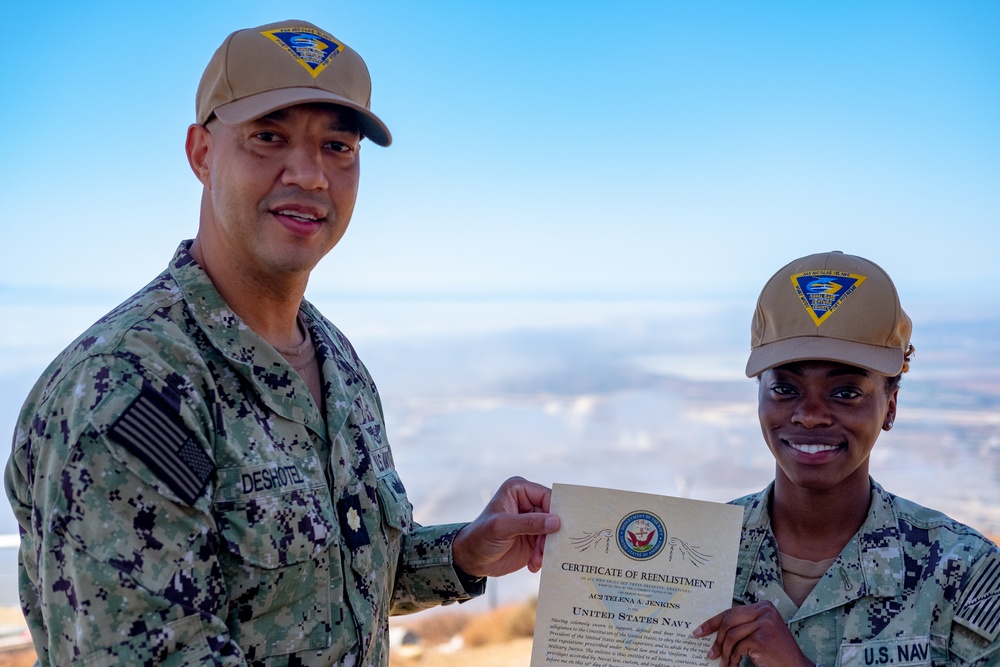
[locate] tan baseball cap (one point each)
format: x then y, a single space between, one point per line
260 70
830 307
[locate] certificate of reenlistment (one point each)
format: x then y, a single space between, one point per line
629 576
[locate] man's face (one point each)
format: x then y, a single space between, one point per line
280 190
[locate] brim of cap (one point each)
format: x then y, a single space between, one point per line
261 104
875 358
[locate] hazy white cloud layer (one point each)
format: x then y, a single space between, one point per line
551 271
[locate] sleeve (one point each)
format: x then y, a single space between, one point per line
16 484
118 557
975 634
427 574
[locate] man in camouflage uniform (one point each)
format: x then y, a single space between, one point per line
834 570
203 476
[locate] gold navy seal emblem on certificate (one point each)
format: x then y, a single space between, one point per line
641 536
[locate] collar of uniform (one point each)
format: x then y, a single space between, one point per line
880 553
275 381
344 376
870 564
757 565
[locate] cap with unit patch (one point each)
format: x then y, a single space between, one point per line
260 70
830 307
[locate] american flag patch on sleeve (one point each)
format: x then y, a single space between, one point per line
152 430
980 611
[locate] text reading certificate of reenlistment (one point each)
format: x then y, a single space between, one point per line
629 576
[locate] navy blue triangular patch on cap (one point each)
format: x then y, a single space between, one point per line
152 429
310 48
822 292
352 523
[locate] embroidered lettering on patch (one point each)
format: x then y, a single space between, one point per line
382 458
311 48
272 477
822 292
152 430
898 652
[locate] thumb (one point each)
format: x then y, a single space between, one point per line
535 523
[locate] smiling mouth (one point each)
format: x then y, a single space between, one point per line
812 449
298 215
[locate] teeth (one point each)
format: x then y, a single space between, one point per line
296 214
813 449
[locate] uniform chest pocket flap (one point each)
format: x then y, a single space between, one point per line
396 510
276 560
269 524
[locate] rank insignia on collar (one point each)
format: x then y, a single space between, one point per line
352 524
311 48
822 292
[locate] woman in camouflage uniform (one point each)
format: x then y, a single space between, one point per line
833 569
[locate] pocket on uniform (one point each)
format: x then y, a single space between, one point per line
384 518
183 640
396 510
277 564
372 524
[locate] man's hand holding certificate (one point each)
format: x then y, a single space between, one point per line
629 576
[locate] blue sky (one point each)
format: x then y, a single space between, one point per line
550 148
563 150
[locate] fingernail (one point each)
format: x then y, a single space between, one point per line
551 523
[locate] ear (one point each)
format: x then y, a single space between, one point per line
198 148
890 410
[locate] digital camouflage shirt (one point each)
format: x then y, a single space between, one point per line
912 587
182 500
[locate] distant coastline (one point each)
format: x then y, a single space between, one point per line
641 394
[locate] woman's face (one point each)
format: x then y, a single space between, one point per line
820 420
